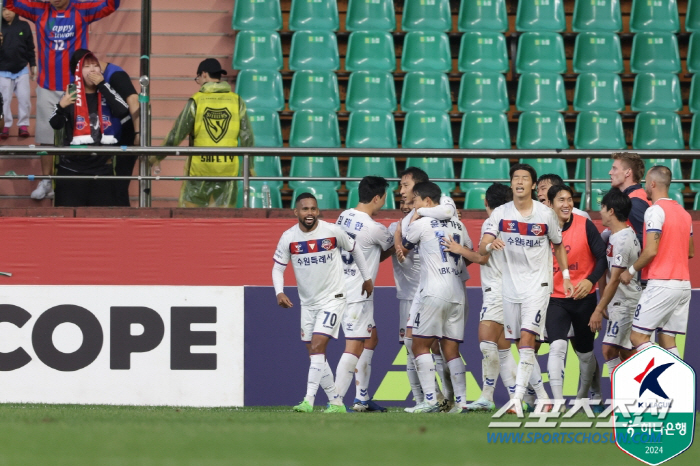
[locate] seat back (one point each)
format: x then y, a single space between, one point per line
326 196
692 16
370 51
359 167
541 91
266 127
314 89
261 89
419 15
371 129
427 129
654 16
314 167
599 171
542 130
435 167
426 90
370 16
476 15
599 91
600 129
597 16
483 90
484 129
656 91
474 198
483 51
371 90
598 51
693 57
315 15
268 165
257 15
354 199
483 169
658 130
536 15
540 51
314 50
257 50
255 195
314 128
426 51
655 52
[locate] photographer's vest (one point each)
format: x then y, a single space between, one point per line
216 124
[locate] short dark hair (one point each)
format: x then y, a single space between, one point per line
556 189
303 196
371 186
551 177
619 202
418 175
662 174
76 57
527 168
428 189
498 194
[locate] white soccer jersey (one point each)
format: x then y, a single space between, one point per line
317 262
580 212
372 238
528 255
406 273
440 270
492 271
624 250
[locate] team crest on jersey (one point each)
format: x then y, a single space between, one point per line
618 260
216 122
369 328
302 333
327 244
536 230
609 251
80 123
508 329
402 332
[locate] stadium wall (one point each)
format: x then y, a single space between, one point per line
101 275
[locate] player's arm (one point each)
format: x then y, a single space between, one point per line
401 251
596 321
92 11
26 8
651 249
490 240
472 256
281 259
562 260
385 240
438 212
350 245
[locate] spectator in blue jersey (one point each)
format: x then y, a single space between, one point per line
61 28
120 81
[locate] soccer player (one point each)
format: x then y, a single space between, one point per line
587 261
617 299
440 311
492 342
312 246
525 231
376 244
544 182
626 175
668 246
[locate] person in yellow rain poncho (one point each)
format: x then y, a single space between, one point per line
213 117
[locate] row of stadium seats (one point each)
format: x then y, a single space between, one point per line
488 129
478 51
480 15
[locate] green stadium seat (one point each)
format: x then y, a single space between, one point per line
261 89
375 15
371 90
599 171
255 195
478 15
326 196
483 169
359 167
658 130
484 129
435 167
693 58
540 51
268 165
314 128
541 91
648 15
371 129
542 166
599 15
427 129
422 15
692 16
677 196
694 100
598 51
354 199
600 129
257 15
694 145
696 204
474 199
599 91
483 51
315 15
674 165
426 51
266 127
541 130
656 91
483 91
257 50
538 15
314 89
596 198
655 52
370 51
314 167
426 90
314 50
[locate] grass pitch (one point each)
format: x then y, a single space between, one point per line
41 435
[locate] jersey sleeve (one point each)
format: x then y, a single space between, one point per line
490 227
382 237
466 240
393 227
27 9
654 219
413 234
92 11
344 241
282 255
621 251
553 228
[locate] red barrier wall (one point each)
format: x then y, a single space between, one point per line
161 251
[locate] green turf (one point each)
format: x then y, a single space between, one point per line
42 435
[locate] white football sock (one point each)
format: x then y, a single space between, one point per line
536 381
674 351
555 367
643 346
508 370
490 366
362 373
426 373
318 361
328 385
588 367
344 373
613 363
459 380
595 381
413 379
530 396
443 373
525 366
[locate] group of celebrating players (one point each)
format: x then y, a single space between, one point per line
540 265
